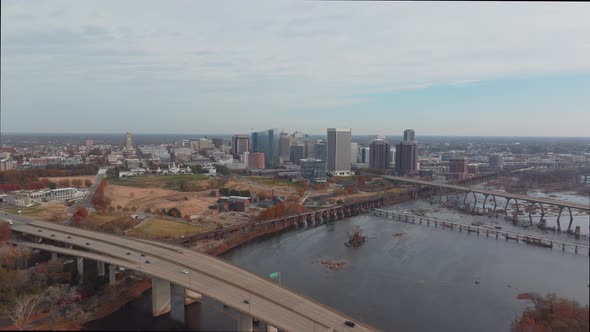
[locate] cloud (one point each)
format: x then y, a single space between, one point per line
278 55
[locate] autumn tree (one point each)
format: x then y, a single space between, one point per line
87 183
80 214
77 183
22 309
100 201
63 183
552 314
174 212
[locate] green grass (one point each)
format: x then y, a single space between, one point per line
27 211
100 219
157 227
184 182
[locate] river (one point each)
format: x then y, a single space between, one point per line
426 279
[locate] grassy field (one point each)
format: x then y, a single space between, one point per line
156 227
189 182
26 211
274 182
100 219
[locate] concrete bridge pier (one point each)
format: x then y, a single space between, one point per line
100 268
160 297
191 297
53 256
569 227
558 217
80 267
245 323
112 274
270 328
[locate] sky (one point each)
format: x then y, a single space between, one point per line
211 67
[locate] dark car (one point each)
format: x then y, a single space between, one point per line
349 323
147 261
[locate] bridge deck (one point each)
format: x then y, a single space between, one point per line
548 201
208 275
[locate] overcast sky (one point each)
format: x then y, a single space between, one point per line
452 68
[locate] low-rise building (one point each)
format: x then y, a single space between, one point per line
233 203
313 170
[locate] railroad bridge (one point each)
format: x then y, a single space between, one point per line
316 217
429 188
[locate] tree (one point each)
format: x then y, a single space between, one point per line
262 195
64 183
100 201
174 212
80 214
223 170
23 307
77 183
87 183
552 314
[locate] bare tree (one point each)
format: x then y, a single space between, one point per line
24 306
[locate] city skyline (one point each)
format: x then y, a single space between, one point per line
314 65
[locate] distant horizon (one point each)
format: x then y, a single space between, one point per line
290 132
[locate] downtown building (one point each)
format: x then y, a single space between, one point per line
267 142
239 145
458 169
256 160
313 170
380 154
406 154
338 151
285 142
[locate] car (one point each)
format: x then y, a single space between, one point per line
128 253
142 254
69 237
147 261
87 243
247 301
185 271
10 222
349 323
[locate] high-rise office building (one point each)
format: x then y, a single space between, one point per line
285 142
354 152
267 142
296 153
309 148
409 135
406 154
380 154
339 151
129 145
374 137
320 150
364 156
239 145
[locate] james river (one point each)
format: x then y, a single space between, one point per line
423 280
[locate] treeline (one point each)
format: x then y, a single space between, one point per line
30 178
234 192
558 179
289 207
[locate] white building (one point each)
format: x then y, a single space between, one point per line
354 152
338 149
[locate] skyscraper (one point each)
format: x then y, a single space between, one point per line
296 152
406 154
409 135
239 145
339 151
267 142
129 145
365 155
309 148
320 150
354 152
380 154
284 146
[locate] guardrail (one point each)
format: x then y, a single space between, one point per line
508 235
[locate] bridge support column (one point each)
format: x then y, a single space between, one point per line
559 216
191 297
270 328
112 274
80 267
160 297
569 227
53 256
100 268
244 323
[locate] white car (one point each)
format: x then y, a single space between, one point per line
185 271
9 221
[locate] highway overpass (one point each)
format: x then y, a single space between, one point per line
249 294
